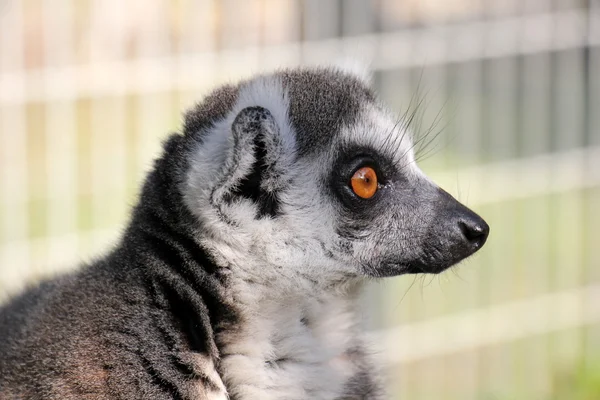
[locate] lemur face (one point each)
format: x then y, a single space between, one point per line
303 172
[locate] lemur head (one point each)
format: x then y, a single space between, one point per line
302 173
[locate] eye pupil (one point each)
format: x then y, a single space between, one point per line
364 182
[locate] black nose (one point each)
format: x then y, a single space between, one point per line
474 229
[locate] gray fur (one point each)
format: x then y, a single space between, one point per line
239 273
321 103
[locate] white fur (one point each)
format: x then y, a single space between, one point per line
314 365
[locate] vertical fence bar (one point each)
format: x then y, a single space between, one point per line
108 144
322 20
61 140
534 134
153 110
569 110
499 119
241 31
282 25
592 337
202 38
14 254
356 17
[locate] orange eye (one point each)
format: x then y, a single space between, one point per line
364 182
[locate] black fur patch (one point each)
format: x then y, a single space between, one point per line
251 185
268 203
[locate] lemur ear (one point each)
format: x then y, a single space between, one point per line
250 169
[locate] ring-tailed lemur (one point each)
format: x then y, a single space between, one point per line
239 272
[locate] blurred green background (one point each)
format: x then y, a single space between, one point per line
89 88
